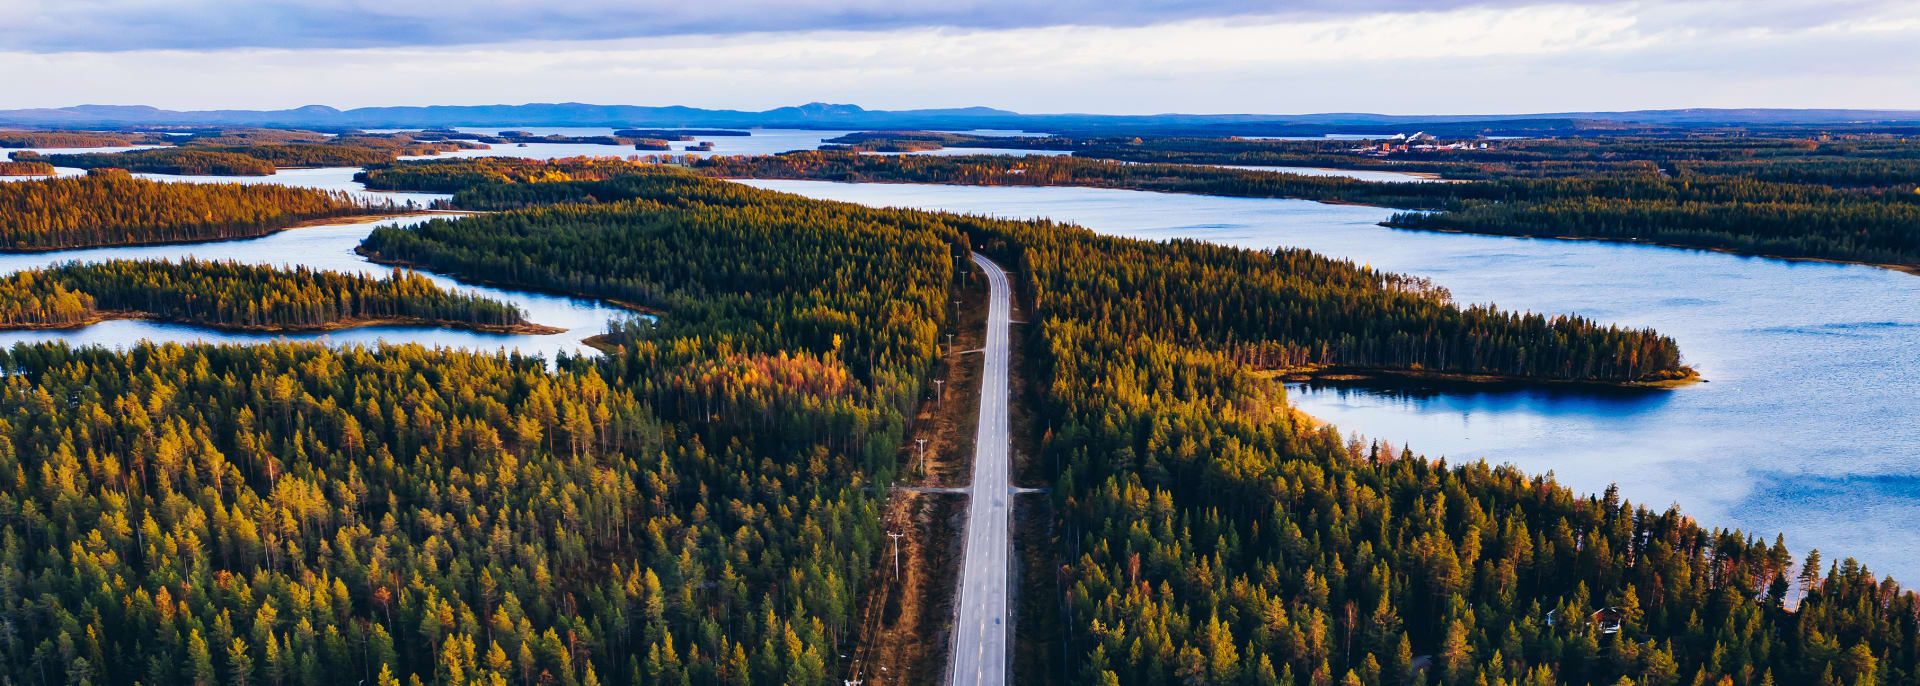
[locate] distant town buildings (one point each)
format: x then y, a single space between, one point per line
1419 141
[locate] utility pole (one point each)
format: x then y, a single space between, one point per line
939 392
896 553
949 344
923 447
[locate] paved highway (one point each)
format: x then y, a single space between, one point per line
980 631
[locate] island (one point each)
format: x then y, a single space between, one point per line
113 209
237 297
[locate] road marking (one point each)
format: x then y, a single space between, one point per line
983 598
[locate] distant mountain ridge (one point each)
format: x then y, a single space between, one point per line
846 116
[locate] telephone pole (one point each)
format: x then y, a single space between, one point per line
896 553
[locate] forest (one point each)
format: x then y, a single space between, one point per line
1274 309
1794 156
102 210
228 295
1212 536
25 168
244 153
1739 213
74 139
1216 537
690 509
449 176
695 506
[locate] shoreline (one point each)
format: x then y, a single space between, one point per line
1891 266
524 328
491 283
302 224
1370 375
602 342
1913 269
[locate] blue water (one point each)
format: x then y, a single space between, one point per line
1810 424
327 247
1807 427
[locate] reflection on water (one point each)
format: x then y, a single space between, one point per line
1809 424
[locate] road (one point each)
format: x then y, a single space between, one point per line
981 632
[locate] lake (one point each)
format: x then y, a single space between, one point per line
1809 424
322 247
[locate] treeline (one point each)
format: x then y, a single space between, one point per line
999 170
1868 160
25 168
1720 212
229 154
182 161
74 139
449 176
1864 231
104 210
34 299
235 296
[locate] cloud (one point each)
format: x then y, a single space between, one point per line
57 26
1477 60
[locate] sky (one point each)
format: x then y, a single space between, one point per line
1105 56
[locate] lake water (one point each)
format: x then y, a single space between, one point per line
1809 424
323 247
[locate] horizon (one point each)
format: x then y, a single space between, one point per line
959 342
997 109
1381 56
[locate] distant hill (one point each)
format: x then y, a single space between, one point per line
841 116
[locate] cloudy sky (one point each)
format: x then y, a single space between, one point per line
1114 56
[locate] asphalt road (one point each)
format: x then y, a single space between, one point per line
980 630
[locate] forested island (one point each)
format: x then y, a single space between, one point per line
449 176
25 168
113 209
256 153
76 139
232 296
